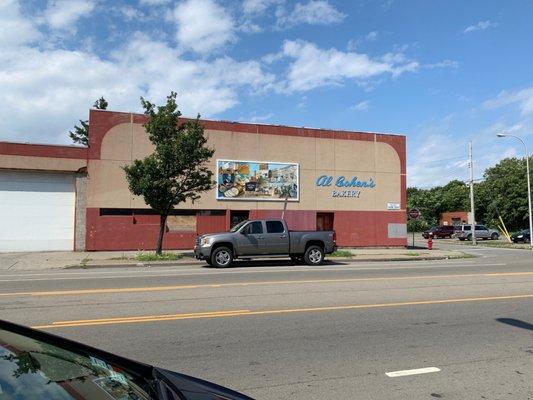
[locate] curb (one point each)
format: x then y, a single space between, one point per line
192 263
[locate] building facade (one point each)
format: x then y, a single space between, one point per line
455 218
78 198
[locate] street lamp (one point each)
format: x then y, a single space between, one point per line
528 183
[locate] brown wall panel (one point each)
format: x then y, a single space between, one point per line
211 223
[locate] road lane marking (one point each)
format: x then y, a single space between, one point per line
253 283
239 313
144 272
151 317
407 372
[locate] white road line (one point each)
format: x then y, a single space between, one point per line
407 372
145 272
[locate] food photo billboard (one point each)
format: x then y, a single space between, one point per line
257 180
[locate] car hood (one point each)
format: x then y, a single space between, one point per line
213 234
197 389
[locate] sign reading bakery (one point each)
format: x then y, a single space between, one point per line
257 180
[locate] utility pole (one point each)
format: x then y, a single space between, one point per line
472 213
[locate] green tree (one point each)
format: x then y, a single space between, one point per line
176 171
81 132
453 196
504 192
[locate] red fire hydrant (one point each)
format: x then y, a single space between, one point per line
430 241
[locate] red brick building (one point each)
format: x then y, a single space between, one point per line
74 198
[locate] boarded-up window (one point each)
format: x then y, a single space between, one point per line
181 223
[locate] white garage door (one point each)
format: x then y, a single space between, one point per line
36 211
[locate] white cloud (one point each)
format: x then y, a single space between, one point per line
480 26
256 7
131 13
371 36
523 98
312 67
203 26
439 151
63 14
257 118
153 2
361 106
452 64
44 91
14 28
315 12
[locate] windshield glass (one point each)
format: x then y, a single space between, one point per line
238 226
31 369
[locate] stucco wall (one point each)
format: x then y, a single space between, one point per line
366 158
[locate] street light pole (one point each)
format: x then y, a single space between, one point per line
528 183
472 212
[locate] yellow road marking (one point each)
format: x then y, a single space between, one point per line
234 284
240 313
150 317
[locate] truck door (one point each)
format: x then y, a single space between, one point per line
276 238
251 239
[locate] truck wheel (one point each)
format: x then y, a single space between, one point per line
469 237
221 257
314 255
494 236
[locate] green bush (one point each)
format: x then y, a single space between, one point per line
158 257
341 253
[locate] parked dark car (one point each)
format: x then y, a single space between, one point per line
37 365
524 236
442 231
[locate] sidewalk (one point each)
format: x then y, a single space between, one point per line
60 260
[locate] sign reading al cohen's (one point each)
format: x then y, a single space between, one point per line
257 180
345 186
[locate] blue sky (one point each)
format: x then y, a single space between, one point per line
440 72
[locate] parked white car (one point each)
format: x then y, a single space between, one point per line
464 232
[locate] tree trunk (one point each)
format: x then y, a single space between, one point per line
162 225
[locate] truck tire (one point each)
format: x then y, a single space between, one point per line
314 255
221 257
469 237
494 236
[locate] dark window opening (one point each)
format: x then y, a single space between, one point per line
324 221
254 228
274 227
238 216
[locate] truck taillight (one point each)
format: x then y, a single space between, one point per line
334 236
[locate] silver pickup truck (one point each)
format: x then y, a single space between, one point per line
264 238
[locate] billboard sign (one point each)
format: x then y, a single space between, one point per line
257 180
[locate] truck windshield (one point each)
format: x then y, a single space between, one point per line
238 226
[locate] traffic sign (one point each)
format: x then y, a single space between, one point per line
414 213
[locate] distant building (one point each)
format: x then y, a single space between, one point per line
454 218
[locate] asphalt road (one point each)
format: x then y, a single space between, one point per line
277 331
